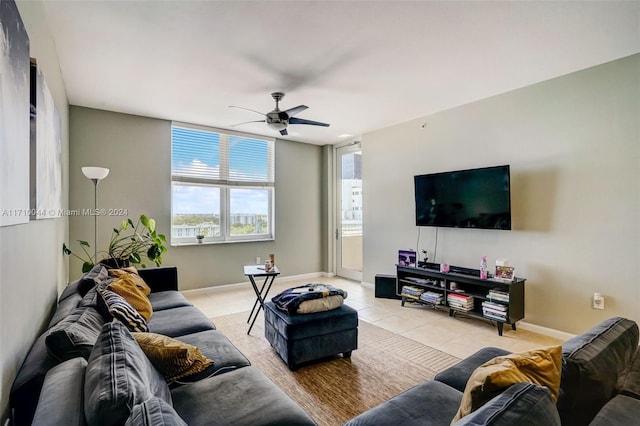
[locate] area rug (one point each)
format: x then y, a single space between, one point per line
338 389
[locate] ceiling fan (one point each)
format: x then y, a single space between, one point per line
280 120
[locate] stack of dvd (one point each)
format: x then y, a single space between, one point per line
494 311
460 302
432 297
412 292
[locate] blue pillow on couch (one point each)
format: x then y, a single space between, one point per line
522 404
119 376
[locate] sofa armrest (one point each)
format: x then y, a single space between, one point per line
457 375
164 278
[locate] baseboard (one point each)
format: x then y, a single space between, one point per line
247 284
367 285
545 330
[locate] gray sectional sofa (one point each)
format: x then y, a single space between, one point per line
85 370
600 385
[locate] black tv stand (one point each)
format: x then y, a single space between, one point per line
495 300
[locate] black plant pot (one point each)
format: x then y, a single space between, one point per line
113 263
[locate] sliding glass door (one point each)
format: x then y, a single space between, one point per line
349 212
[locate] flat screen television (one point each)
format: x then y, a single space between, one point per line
474 198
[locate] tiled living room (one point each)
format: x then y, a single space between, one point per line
192 138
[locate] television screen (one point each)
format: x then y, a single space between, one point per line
476 198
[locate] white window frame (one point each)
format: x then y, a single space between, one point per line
226 184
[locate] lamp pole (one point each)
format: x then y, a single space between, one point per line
95 174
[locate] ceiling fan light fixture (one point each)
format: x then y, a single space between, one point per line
277 126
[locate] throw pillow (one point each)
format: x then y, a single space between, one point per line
126 287
133 274
75 335
95 276
154 412
112 305
542 367
522 404
173 358
118 377
320 305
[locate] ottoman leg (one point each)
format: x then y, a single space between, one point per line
346 354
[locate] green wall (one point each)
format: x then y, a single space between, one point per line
573 144
137 150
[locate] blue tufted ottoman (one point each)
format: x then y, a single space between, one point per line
300 338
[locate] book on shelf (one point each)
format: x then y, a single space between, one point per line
495 317
432 297
408 290
494 306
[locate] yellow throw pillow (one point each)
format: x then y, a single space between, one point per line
132 273
173 359
126 287
542 367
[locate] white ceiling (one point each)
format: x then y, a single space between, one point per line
358 65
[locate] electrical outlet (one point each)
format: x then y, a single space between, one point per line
258 260
598 301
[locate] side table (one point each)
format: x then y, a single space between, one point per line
253 272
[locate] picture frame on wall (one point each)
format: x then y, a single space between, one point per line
46 150
14 117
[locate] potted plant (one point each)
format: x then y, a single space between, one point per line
201 234
129 244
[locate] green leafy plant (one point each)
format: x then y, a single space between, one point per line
130 243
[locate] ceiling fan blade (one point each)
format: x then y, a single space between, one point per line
247 109
293 111
294 120
247 122
283 132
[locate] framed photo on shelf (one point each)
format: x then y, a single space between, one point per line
407 258
504 272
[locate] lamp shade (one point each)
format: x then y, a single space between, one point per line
277 126
97 173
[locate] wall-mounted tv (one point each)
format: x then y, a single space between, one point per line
475 198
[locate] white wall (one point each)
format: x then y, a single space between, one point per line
573 144
32 268
137 150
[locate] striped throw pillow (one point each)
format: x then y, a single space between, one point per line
122 310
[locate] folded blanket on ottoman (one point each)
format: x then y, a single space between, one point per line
308 298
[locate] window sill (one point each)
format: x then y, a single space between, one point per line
209 243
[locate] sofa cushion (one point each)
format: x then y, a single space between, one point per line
592 363
75 335
458 375
241 397
523 404
179 321
539 366
127 287
215 346
69 290
429 403
28 382
112 305
119 376
97 275
167 300
621 410
173 359
61 400
64 309
630 381
154 412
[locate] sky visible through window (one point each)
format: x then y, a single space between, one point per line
196 153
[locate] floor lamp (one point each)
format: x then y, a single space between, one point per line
95 174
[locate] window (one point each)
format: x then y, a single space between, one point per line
222 185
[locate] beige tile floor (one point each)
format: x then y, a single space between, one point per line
459 336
